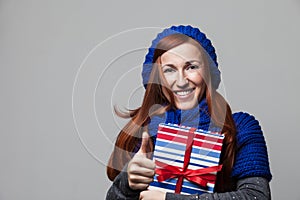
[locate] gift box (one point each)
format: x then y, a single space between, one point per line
187 159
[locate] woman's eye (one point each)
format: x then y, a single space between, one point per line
168 70
192 67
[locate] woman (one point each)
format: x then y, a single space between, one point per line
181 77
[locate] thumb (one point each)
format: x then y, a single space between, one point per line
145 143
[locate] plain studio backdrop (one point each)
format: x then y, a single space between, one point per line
64 64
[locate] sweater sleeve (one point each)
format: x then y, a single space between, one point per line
252 156
247 188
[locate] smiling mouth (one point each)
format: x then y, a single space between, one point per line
184 92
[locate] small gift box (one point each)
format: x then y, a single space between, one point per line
187 159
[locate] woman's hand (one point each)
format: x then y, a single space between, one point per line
141 169
152 195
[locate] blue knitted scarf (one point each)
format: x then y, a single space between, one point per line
252 156
196 117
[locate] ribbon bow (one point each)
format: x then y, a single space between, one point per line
198 176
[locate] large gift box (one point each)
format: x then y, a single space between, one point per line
187 159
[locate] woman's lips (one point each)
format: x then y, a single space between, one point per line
183 94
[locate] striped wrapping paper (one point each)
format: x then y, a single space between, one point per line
170 150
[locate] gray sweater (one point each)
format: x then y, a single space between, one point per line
247 188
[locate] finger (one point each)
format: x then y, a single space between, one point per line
145 143
136 170
139 186
144 162
142 194
136 179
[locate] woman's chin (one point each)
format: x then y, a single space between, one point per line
186 105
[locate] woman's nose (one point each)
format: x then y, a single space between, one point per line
181 81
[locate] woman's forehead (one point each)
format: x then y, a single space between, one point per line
182 53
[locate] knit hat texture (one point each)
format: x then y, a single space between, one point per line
194 33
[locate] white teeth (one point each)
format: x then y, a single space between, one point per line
183 93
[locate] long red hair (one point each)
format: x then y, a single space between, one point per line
219 110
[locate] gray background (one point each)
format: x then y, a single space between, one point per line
43 44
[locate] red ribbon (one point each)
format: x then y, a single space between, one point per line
199 176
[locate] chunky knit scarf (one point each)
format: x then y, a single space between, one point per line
252 156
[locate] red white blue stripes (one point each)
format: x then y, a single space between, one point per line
170 149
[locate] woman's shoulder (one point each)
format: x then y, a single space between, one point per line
248 128
251 148
244 120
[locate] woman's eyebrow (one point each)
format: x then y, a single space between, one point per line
169 65
191 61
186 63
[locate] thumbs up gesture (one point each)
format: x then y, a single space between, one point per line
141 169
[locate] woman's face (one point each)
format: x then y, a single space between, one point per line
183 69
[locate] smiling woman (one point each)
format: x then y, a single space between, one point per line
183 69
181 77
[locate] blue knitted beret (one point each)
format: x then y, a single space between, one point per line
192 32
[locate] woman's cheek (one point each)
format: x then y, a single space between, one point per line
170 80
196 78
